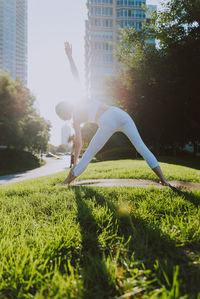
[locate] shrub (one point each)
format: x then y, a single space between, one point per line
12 161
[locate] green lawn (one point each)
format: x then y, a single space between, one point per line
86 242
185 170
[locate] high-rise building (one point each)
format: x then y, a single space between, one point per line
13 38
105 17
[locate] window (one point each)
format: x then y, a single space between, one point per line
136 3
130 14
102 59
102 35
136 24
104 23
102 46
107 2
101 11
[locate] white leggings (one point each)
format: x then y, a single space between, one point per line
111 121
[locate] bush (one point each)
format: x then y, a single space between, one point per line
12 161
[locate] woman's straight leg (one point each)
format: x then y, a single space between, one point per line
97 142
131 131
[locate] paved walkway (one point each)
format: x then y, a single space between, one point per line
133 183
52 166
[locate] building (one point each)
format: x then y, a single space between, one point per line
13 38
105 17
151 9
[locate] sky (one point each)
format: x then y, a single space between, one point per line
50 24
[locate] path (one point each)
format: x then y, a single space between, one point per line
133 183
52 166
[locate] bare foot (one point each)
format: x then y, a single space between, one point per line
70 178
164 183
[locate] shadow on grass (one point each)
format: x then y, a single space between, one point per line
96 278
187 195
191 197
186 161
148 245
182 160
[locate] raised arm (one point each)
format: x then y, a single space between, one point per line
68 51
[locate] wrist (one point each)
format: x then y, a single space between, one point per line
69 55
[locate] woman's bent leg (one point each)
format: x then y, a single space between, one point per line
97 142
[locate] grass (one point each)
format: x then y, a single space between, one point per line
83 242
186 170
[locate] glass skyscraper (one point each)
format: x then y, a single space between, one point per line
13 38
104 19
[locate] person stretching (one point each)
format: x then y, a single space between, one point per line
110 119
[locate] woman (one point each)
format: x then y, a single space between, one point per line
110 120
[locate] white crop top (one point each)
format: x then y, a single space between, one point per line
92 110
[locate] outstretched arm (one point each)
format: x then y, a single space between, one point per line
68 51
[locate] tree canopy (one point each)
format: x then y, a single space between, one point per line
21 126
159 85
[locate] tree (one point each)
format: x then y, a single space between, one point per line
20 125
52 148
178 29
62 148
87 132
36 130
159 86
